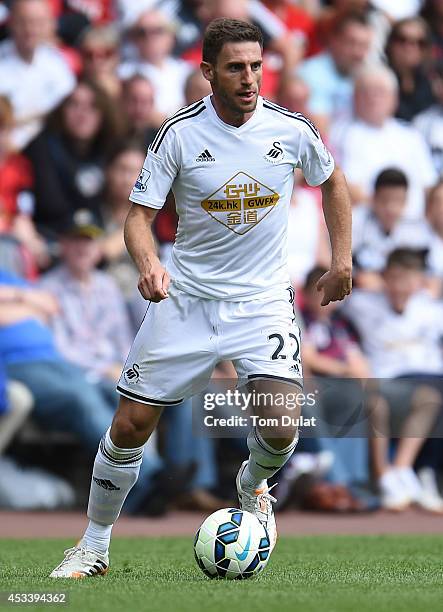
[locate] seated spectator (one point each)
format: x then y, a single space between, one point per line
16 199
330 75
407 52
370 142
33 74
69 156
64 399
99 47
294 95
141 116
430 122
400 330
153 38
121 173
381 227
196 87
434 214
15 406
298 22
335 10
432 11
91 328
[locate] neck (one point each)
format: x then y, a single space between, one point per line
84 278
27 55
229 115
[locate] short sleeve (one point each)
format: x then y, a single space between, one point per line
315 161
159 171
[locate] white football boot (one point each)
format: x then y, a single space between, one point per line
259 503
81 563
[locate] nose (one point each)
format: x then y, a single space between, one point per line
247 76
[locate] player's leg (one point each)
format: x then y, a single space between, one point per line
271 444
116 468
264 345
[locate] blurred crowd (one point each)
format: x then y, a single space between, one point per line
84 86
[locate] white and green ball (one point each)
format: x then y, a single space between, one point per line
232 544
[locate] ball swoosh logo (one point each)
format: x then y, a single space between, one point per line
242 556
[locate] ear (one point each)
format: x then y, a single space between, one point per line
207 71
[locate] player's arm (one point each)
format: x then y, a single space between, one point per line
337 283
154 280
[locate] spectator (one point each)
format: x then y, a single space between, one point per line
407 51
335 10
153 38
69 156
294 95
33 75
434 213
400 330
16 199
298 22
15 406
432 11
91 328
142 118
196 87
122 170
330 75
99 49
430 122
373 139
64 400
379 228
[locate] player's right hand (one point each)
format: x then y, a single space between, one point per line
154 283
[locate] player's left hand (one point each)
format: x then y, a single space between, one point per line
335 284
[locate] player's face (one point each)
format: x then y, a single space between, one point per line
435 210
236 78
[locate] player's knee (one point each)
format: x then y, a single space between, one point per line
124 431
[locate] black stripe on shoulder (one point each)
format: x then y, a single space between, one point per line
288 113
181 113
177 120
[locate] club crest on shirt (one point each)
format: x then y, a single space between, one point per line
275 153
141 184
240 203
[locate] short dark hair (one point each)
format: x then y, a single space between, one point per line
409 259
221 31
340 23
391 177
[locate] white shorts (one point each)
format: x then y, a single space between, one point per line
182 338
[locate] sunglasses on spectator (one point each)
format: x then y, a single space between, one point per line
100 54
410 40
146 32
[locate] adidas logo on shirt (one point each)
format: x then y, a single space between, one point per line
205 157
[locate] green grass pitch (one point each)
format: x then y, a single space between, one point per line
323 573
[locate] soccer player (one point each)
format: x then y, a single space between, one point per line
230 160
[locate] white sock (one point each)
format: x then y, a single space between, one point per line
97 537
264 460
115 473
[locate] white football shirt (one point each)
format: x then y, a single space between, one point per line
232 187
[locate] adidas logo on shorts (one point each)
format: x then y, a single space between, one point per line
205 157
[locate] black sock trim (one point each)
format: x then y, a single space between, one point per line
276 454
271 468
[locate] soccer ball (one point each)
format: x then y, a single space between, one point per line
232 544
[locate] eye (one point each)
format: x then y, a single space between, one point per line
256 66
235 67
